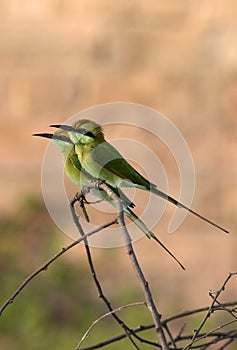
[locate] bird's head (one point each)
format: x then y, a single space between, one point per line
60 138
84 132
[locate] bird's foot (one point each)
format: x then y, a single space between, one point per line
98 183
81 199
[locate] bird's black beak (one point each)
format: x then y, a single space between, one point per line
55 137
63 127
48 136
70 128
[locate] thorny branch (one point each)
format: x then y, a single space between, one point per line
105 315
145 286
80 199
161 326
45 266
210 310
211 337
223 334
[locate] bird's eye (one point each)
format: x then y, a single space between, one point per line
90 134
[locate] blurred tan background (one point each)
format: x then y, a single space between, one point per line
180 58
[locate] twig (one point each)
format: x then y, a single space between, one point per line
81 198
139 303
45 266
208 338
222 307
127 330
172 340
146 289
217 337
168 320
211 332
210 310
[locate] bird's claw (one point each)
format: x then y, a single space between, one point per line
84 191
98 183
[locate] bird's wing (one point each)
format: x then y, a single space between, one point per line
111 162
74 160
76 164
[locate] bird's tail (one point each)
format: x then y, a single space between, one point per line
180 205
133 217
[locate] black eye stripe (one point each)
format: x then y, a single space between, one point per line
62 138
90 134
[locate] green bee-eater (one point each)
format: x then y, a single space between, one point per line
80 176
102 161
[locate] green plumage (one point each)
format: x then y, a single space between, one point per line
88 157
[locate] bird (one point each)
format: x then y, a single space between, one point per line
78 175
102 161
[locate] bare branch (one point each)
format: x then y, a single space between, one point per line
215 336
139 303
198 339
127 330
210 310
45 266
145 286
